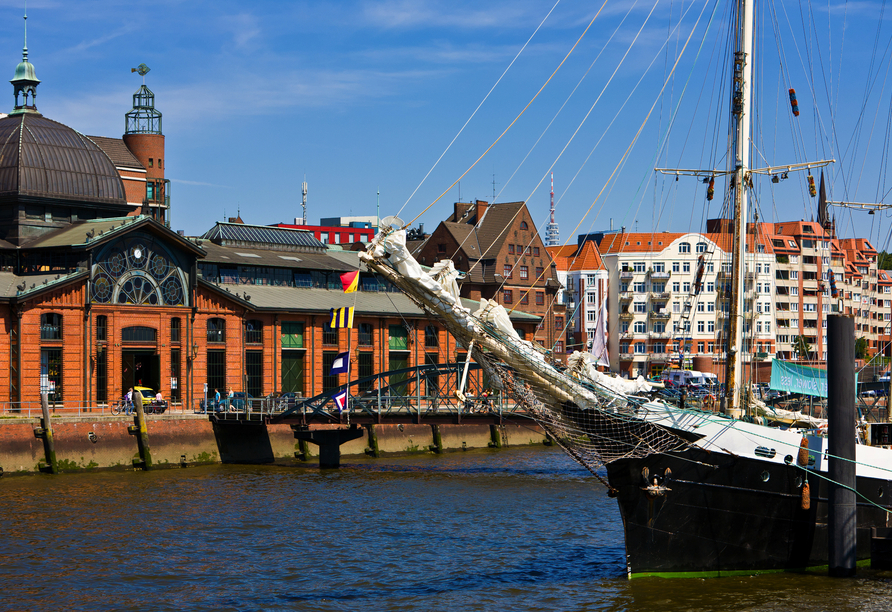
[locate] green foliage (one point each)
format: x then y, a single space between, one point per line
884 261
801 346
861 348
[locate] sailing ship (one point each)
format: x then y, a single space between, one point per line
700 493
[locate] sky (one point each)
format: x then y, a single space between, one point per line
404 97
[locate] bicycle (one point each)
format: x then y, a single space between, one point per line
122 406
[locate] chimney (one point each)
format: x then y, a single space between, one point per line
480 209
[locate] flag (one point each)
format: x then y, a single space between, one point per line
340 398
341 317
350 280
341 364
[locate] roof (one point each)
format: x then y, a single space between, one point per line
22 287
235 255
98 231
117 151
262 236
267 297
588 258
43 158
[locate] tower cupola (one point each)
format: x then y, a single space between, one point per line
144 118
25 82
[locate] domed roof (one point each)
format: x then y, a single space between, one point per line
42 158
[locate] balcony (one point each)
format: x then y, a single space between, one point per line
724 274
660 315
625 296
627 356
659 274
658 335
626 275
722 314
660 295
658 357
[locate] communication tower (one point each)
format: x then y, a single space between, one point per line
552 235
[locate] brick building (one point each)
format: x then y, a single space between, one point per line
97 294
503 258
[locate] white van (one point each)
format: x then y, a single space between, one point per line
684 378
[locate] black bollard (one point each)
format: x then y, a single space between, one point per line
841 522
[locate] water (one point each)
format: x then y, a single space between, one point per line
520 529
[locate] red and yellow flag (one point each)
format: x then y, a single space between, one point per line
350 280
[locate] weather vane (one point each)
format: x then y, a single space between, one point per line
142 69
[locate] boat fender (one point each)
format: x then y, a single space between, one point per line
811 186
710 191
806 496
802 459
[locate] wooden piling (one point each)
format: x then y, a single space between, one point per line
437 446
141 431
45 432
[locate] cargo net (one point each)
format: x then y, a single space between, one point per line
591 436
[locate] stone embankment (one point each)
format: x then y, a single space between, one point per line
109 442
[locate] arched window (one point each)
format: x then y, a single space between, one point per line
684 247
253 331
51 326
701 247
216 330
523 225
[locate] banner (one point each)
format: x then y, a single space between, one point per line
797 378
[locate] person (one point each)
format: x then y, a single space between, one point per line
128 401
684 396
158 399
216 400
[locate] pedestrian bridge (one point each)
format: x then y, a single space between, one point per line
420 395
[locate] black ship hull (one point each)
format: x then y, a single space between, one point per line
715 514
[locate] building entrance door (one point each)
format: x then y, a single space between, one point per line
140 368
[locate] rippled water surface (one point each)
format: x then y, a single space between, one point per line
519 529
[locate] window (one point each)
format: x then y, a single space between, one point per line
102 328
686 266
507 296
710 287
710 327
150 163
659 287
150 191
687 287
506 271
525 297
540 298
524 272
639 307
254 373
684 247
253 332
639 287
638 266
441 248
329 335
399 338
511 249
676 287
535 251
51 373
366 334
174 329
559 323
659 267
216 330
329 382
640 327
540 272
431 336
139 335
700 327
51 326
523 225
216 360
701 247
640 348
676 266
159 162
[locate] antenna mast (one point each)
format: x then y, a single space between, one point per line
303 199
552 235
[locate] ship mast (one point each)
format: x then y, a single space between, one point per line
741 113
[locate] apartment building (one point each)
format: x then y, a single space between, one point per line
584 282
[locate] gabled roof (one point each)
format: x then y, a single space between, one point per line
588 258
262 236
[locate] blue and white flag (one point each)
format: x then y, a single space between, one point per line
340 399
341 364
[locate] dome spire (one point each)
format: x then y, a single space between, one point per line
25 80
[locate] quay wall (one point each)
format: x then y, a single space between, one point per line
103 442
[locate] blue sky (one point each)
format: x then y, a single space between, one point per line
360 96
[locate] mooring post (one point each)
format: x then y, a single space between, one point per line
372 450
303 451
495 436
437 446
141 431
841 522
45 432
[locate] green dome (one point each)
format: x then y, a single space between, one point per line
25 72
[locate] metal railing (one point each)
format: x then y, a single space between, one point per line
31 410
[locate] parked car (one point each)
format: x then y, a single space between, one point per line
149 404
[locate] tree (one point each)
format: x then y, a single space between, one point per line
861 348
884 261
802 347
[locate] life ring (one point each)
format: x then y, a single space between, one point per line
709 401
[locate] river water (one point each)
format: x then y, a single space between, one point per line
518 529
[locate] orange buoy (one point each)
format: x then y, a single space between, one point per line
811 186
802 459
710 191
806 496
